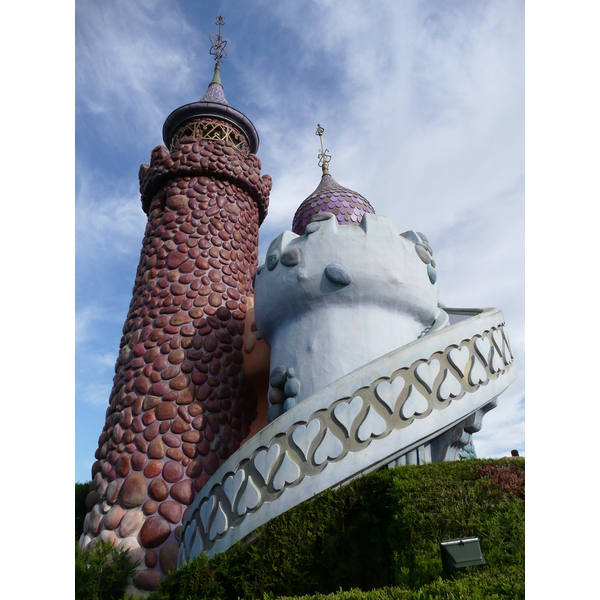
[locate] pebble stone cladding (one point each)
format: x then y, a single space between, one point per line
348 206
180 405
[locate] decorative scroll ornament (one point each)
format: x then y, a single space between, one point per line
218 43
324 157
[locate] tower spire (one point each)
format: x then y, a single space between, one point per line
330 197
197 118
205 180
324 157
215 91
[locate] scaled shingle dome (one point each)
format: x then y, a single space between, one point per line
348 206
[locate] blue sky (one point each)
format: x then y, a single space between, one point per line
423 106
422 103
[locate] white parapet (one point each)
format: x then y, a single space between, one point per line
362 421
337 297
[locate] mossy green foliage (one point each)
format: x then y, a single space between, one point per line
102 572
381 532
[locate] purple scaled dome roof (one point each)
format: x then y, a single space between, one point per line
348 206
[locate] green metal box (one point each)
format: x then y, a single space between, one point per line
459 553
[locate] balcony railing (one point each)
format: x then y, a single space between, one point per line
397 403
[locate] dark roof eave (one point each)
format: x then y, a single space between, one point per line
187 112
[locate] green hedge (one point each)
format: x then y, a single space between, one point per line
381 532
499 585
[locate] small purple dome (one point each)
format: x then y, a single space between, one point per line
348 206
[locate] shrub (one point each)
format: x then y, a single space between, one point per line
102 572
195 580
492 585
510 478
381 533
450 502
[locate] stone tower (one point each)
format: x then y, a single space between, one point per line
180 404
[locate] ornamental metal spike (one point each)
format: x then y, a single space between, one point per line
217 48
324 157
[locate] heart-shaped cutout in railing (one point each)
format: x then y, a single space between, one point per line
372 426
496 364
346 412
389 392
415 404
450 387
330 448
427 372
219 524
477 373
304 436
232 485
250 498
265 459
205 511
482 347
287 473
459 359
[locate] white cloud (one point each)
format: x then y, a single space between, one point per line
84 319
423 109
426 120
132 57
108 225
95 394
503 428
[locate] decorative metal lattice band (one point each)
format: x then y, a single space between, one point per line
294 458
209 129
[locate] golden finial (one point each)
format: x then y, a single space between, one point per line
324 157
218 43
